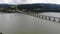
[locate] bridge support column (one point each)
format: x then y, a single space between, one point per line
39 16
45 17
59 20
49 18
42 17
54 19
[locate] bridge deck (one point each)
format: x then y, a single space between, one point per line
46 16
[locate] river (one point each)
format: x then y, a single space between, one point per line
17 23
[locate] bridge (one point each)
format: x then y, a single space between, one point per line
51 18
31 13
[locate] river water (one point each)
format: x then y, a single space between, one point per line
17 23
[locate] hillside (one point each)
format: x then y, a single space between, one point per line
44 7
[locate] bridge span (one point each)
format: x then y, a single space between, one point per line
48 16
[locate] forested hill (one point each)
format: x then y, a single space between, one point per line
45 7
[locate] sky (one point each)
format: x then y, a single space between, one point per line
29 1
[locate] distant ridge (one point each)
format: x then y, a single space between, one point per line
43 6
6 5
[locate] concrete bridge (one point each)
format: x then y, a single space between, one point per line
51 18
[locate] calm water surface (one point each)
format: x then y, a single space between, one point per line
17 23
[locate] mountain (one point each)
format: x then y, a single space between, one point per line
5 5
38 5
43 6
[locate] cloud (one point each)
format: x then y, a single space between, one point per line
17 1
29 1
13 1
46 1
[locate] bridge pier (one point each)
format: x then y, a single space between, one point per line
59 20
54 19
44 17
48 18
39 16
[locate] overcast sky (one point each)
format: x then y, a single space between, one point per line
29 1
